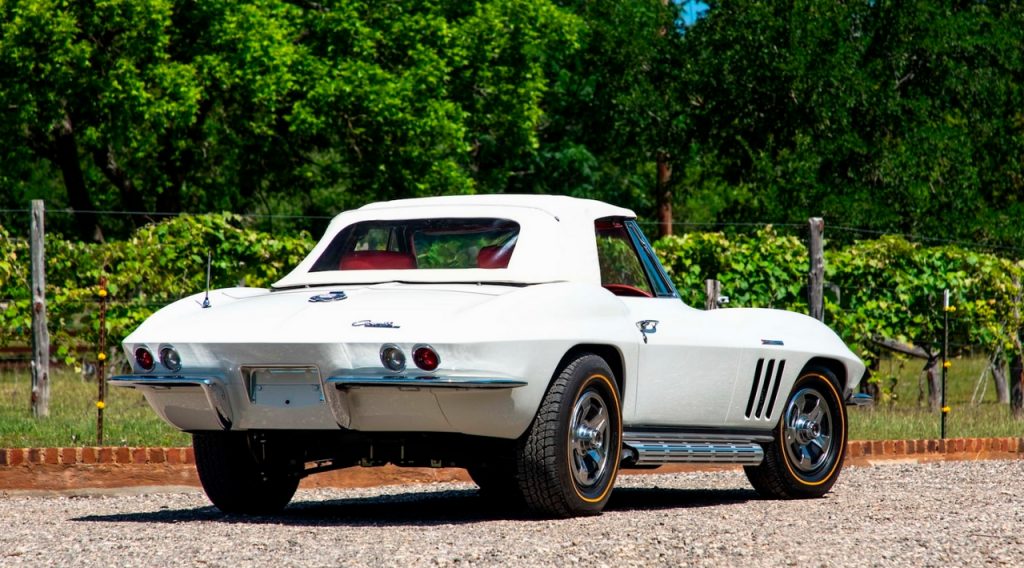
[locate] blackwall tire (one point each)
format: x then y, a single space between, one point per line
807 455
234 481
567 462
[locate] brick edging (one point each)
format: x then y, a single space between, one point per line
904 448
122 455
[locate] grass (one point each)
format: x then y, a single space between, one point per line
129 421
970 394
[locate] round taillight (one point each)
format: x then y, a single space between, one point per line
392 357
170 359
144 358
425 357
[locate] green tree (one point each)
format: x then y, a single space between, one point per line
896 116
269 106
613 109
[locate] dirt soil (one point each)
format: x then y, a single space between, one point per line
45 477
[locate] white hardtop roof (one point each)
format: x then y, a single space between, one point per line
556 205
556 240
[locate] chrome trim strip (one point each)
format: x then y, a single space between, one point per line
167 381
674 437
216 394
350 381
745 454
663 448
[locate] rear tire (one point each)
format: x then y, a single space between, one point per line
807 455
567 462
234 481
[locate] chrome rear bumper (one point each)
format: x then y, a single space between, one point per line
347 381
216 394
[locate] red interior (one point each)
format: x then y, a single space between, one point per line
627 290
377 260
494 256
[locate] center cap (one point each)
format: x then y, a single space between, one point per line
815 429
585 434
807 430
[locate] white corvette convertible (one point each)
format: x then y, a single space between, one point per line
533 340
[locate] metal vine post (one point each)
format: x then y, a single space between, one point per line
101 362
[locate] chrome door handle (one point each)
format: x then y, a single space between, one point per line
647 326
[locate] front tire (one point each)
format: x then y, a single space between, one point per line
234 481
806 457
569 458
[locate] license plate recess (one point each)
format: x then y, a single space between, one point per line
292 387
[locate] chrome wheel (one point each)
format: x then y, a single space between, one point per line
567 462
808 430
807 454
588 439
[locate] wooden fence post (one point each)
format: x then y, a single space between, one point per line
40 334
712 291
816 275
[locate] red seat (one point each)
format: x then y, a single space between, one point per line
494 256
377 260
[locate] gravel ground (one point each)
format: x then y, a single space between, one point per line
938 514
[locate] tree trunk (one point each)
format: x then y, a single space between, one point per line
1017 386
177 164
107 162
169 200
65 155
999 377
664 195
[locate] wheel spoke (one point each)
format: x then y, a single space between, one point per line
816 450
599 419
823 442
578 447
800 404
816 412
803 460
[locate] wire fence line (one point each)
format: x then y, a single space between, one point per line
698 226
913 237
182 213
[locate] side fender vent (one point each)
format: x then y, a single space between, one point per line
764 389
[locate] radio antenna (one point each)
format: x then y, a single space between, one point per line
206 300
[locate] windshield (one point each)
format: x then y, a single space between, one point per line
421 244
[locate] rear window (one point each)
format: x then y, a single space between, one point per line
421 244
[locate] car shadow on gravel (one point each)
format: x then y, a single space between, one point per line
427 508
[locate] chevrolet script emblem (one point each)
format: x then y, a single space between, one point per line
368 323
